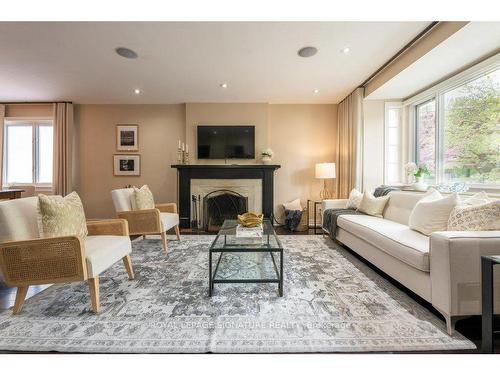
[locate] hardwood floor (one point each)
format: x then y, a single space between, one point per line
470 328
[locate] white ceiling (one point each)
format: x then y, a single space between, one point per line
186 62
469 44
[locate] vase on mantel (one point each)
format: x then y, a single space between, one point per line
266 159
420 185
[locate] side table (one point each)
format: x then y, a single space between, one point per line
315 225
487 267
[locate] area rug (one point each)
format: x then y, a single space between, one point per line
332 302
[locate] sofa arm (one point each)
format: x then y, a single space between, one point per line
332 203
142 221
43 261
110 227
167 207
455 266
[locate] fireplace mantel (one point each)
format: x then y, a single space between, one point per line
186 172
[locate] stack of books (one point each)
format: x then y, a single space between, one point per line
246 232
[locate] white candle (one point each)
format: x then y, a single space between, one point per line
179 143
183 147
187 148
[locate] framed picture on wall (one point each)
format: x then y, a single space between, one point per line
126 165
127 137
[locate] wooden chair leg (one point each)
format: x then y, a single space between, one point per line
20 296
164 241
94 294
177 232
128 265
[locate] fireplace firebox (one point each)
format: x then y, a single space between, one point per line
220 205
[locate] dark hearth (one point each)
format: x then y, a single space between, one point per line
220 205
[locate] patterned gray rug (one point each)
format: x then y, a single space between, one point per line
332 303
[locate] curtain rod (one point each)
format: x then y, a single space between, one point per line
23 103
401 51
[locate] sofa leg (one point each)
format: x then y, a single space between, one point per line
450 324
94 294
178 232
20 296
128 266
164 241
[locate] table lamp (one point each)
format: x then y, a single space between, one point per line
324 171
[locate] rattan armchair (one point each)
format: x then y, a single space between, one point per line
36 261
157 220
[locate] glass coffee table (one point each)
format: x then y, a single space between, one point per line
227 242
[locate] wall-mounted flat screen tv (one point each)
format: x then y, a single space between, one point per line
226 142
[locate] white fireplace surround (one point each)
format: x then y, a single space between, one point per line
250 188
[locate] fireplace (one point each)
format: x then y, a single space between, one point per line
220 205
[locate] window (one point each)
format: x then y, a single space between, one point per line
393 161
426 136
28 152
457 132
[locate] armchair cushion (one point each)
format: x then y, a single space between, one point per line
144 198
62 216
18 219
103 251
169 220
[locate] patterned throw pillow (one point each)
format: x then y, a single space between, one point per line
372 206
354 199
144 198
58 216
484 216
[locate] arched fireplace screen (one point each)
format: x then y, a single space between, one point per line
220 205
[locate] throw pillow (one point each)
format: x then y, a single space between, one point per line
431 213
372 206
144 198
293 205
354 199
58 216
485 216
478 198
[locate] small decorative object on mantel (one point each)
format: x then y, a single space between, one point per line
182 153
418 171
250 219
267 156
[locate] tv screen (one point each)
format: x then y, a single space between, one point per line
226 142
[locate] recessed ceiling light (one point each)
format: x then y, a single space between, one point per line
345 50
137 91
126 52
223 85
315 91
307 51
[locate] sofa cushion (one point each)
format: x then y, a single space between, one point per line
395 239
18 219
169 220
400 205
432 212
104 251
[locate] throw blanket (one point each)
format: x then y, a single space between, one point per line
331 216
384 190
292 219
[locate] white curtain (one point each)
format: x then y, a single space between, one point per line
2 115
350 144
63 143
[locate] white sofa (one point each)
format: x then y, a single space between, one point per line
443 268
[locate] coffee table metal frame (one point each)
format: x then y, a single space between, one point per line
227 230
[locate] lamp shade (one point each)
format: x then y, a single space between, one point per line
325 170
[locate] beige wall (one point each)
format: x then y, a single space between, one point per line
29 110
373 144
160 128
300 135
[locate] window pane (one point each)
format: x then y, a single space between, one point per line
393 172
472 131
393 138
392 154
19 154
426 136
45 154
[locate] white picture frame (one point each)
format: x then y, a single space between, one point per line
127 137
126 165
